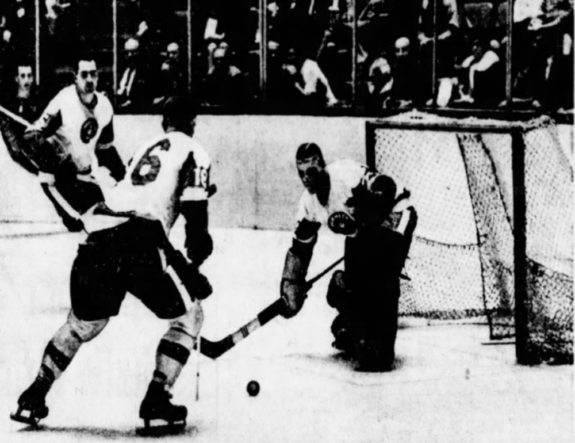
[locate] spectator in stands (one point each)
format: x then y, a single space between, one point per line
63 33
134 91
447 24
172 77
561 75
404 71
235 22
224 82
6 47
376 93
23 99
545 64
480 75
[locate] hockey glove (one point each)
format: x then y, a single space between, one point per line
48 153
109 158
196 283
199 246
293 294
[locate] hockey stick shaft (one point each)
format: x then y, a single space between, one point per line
215 349
15 117
64 209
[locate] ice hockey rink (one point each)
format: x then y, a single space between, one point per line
450 383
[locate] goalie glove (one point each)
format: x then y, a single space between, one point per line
372 200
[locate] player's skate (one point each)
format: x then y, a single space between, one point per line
32 404
159 414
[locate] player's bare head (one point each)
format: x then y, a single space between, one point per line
179 114
86 74
311 166
24 78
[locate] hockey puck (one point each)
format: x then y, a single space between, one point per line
253 388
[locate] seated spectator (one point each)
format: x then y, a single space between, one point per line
376 92
301 85
480 78
235 21
224 81
172 77
63 33
447 23
6 43
404 71
134 90
314 84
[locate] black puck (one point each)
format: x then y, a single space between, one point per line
253 388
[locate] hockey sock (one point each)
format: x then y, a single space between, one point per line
58 354
172 354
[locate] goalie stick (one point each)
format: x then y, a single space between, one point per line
215 349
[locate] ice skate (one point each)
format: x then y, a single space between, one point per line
159 414
32 404
371 357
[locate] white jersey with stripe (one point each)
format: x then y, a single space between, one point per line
80 128
172 168
344 176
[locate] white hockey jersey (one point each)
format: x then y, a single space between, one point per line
172 168
344 176
79 127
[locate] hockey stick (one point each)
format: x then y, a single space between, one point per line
214 350
71 218
211 349
15 117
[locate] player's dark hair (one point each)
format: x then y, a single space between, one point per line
178 111
308 150
84 56
23 63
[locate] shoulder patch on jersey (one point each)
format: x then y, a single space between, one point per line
342 223
89 130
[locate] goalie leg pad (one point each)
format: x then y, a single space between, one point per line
337 292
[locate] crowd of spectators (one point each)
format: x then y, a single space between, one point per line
408 53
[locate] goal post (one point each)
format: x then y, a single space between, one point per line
495 231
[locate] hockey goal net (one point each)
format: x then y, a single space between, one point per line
495 230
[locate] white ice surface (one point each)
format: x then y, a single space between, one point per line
449 386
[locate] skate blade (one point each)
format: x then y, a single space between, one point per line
25 417
157 428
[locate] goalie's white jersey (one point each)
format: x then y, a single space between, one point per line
344 176
172 168
80 128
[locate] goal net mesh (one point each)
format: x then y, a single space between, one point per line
461 263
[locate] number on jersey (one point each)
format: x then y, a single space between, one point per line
148 168
193 175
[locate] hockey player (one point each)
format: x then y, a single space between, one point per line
379 221
166 178
73 139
